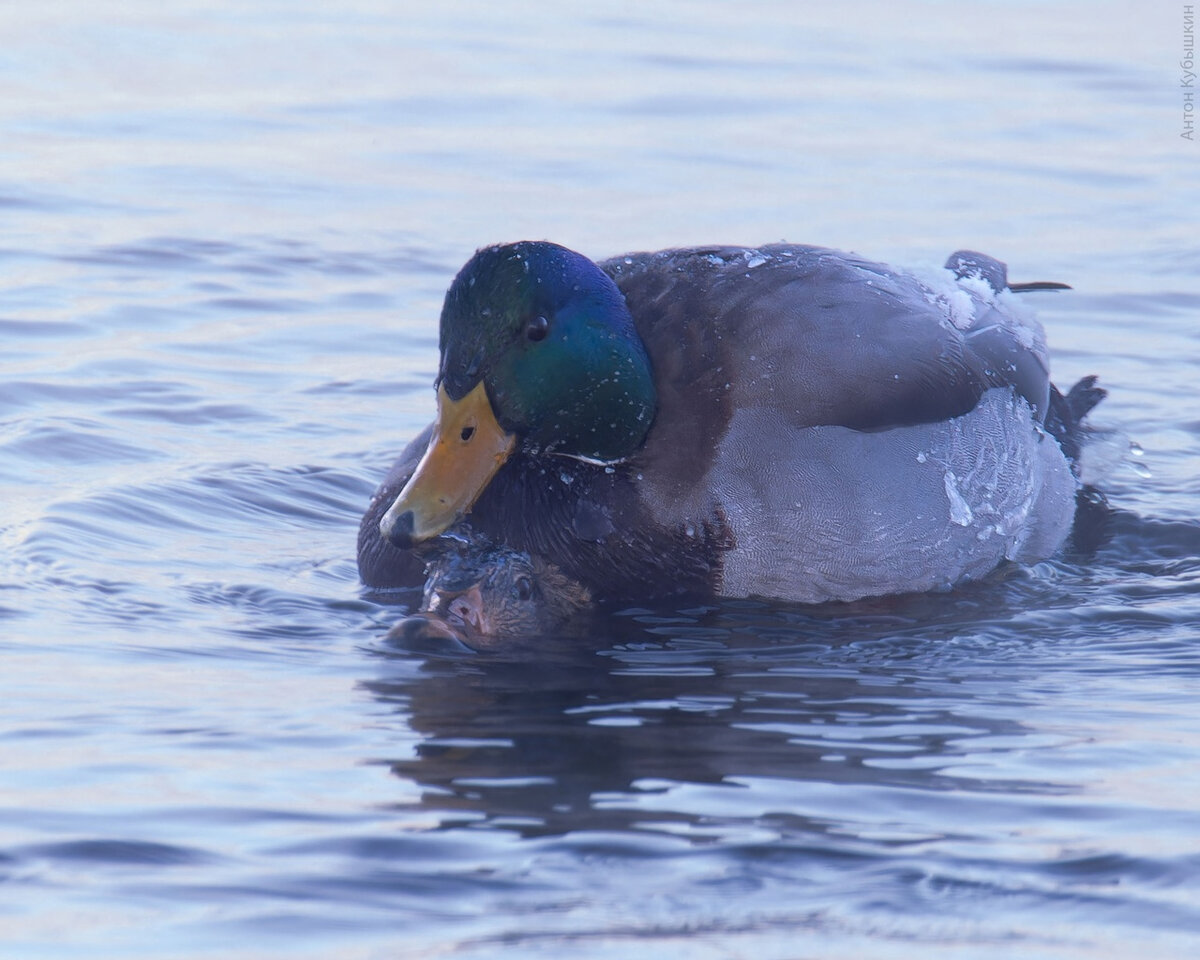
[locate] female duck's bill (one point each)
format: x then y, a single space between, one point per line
483 595
787 421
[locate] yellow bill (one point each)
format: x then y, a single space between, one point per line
468 446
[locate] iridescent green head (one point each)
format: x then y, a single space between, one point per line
539 353
550 337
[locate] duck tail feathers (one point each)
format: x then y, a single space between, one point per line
970 264
1038 285
1064 419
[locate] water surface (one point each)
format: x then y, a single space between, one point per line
225 230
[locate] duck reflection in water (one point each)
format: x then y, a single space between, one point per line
707 723
480 594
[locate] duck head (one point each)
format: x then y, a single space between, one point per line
482 595
539 356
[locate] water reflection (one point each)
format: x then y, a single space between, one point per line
894 721
554 738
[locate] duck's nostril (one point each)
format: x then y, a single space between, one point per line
467 607
460 607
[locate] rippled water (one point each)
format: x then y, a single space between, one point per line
226 229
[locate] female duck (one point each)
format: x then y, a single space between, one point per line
787 421
483 596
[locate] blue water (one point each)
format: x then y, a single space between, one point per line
225 230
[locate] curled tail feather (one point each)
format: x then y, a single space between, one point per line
1064 419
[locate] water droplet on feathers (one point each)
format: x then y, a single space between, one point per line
960 510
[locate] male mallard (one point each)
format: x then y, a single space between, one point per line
785 421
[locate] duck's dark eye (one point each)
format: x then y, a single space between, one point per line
467 433
523 588
536 328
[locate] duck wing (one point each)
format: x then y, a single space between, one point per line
817 337
380 564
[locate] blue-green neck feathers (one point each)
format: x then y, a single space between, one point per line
551 338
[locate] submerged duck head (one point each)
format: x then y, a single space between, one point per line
481 595
539 354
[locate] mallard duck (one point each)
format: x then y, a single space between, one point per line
784 421
482 594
